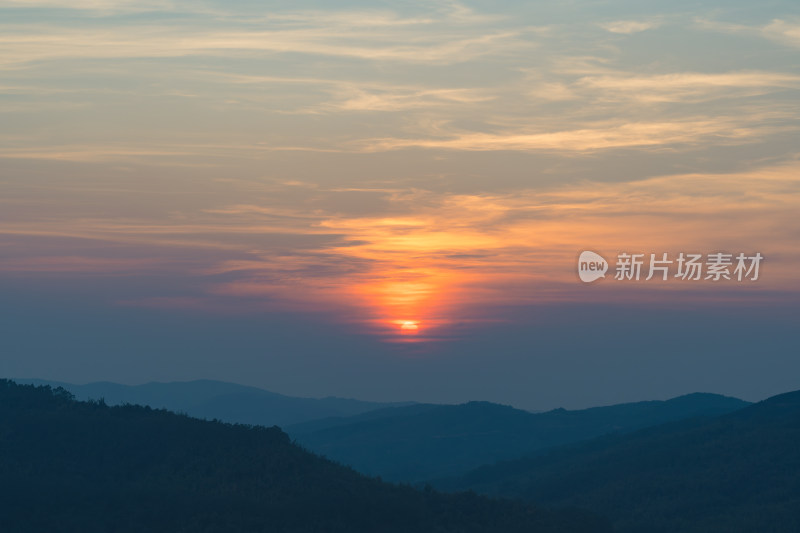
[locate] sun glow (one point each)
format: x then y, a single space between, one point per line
452 262
407 304
409 326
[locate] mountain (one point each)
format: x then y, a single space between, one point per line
422 442
219 400
87 467
734 473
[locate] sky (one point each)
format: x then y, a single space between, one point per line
388 200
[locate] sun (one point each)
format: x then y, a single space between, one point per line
409 326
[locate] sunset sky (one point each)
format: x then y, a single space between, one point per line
387 200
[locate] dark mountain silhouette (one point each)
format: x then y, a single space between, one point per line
734 473
87 467
219 400
422 442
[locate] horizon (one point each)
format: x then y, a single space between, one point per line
39 382
405 200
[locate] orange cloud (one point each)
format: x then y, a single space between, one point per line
439 260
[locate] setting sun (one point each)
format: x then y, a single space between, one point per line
409 326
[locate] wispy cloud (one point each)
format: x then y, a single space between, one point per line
602 136
367 35
175 154
779 30
431 257
93 5
355 98
450 252
784 31
630 26
687 86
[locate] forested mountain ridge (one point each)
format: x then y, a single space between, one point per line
738 472
423 441
211 399
86 467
